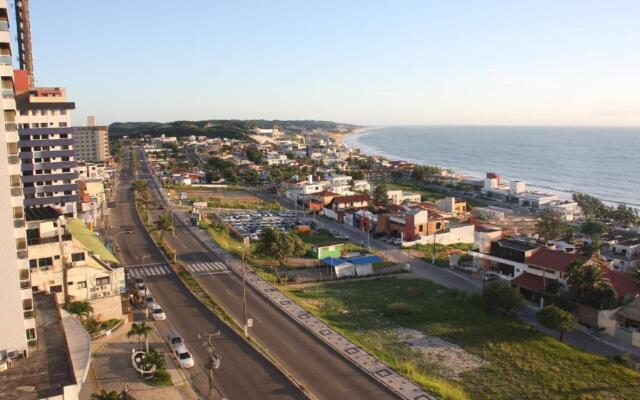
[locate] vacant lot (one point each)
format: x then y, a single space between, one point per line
224 198
444 341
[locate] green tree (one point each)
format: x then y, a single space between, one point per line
556 318
154 358
254 155
164 224
138 185
588 286
591 206
551 225
141 330
591 227
380 197
81 309
104 395
279 246
501 299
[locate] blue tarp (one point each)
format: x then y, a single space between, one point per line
363 260
332 261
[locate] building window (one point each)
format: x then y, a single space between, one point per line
33 263
81 285
77 257
27 304
63 124
31 333
46 262
102 281
55 289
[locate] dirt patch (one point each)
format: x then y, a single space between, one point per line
453 359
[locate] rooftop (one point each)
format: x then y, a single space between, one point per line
517 244
552 259
81 233
48 369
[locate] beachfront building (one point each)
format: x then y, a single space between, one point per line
516 194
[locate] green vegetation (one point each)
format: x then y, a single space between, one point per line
551 225
518 361
104 395
161 376
500 299
556 318
594 208
279 246
587 285
442 252
426 194
141 330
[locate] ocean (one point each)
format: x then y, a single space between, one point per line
604 162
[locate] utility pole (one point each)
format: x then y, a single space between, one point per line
245 322
212 364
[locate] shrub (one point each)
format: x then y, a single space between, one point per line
501 299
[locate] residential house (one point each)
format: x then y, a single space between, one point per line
398 197
451 205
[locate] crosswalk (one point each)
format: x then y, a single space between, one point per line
205 268
149 270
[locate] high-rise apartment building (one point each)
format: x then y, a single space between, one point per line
92 142
17 322
46 145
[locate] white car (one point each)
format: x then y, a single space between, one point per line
183 356
397 241
341 236
157 312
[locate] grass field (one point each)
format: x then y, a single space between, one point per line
427 194
442 252
518 361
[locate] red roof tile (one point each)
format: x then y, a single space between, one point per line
552 259
531 282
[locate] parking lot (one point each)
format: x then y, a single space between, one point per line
251 223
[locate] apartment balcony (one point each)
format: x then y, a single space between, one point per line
19 223
4 26
42 201
5 59
23 254
8 93
48 240
13 159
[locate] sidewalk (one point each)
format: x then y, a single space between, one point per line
111 369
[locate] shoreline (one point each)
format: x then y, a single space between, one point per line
350 139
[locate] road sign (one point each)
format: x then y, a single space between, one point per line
250 322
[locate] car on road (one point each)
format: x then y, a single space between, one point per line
174 339
397 241
342 236
183 356
150 300
157 313
140 287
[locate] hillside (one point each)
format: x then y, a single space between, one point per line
235 129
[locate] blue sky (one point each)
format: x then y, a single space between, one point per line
367 62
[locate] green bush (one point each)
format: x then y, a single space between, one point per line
501 299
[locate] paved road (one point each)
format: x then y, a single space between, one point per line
245 373
325 373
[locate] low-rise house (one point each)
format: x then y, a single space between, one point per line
361 185
277 159
411 224
398 197
67 260
451 205
356 201
515 193
623 253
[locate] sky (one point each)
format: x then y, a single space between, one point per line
365 62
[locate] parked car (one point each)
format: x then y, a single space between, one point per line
174 339
157 312
397 241
490 276
341 236
183 356
150 300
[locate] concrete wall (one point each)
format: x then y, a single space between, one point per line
463 234
106 308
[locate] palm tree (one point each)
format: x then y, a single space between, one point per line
104 395
81 309
164 224
154 358
141 330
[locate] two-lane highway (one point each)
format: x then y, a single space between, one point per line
244 373
326 374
